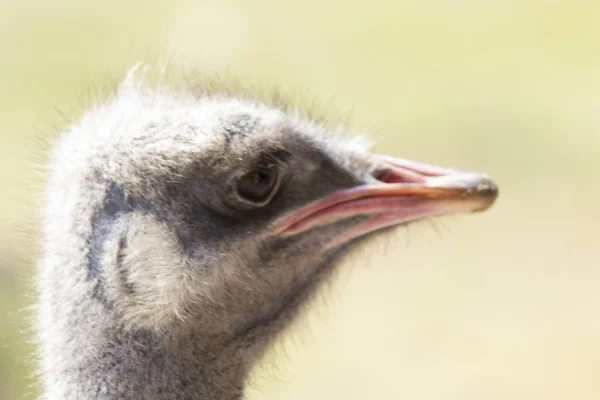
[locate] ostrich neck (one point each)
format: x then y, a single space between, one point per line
106 362
95 357
86 353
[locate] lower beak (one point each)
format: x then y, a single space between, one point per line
400 191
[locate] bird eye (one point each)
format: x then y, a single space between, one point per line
258 185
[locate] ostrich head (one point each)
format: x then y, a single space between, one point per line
183 232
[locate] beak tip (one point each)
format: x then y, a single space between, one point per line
487 191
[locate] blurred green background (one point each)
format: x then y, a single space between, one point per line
498 305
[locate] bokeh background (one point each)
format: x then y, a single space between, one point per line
492 306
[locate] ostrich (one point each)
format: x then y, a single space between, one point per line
184 231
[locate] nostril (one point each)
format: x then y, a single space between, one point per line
390 176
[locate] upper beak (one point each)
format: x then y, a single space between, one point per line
400 191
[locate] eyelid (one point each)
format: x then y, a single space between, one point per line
276 158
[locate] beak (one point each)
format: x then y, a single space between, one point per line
398 191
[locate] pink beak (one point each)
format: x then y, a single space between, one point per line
402 191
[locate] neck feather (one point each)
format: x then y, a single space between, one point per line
100 360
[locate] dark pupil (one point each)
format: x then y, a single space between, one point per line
257 185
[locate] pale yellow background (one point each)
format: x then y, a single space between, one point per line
502 305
